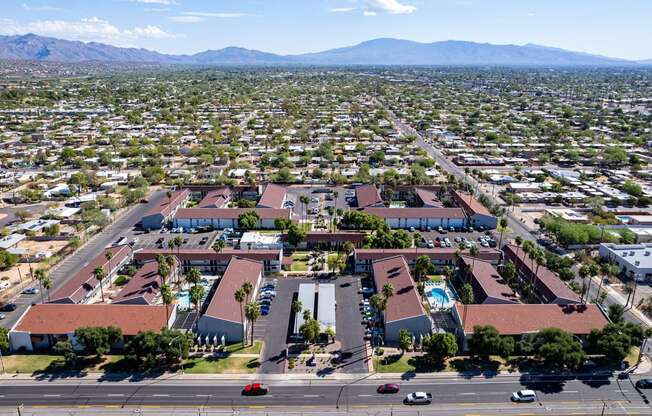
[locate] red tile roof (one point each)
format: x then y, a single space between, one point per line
336 236
519 318
207 254
144 284
411 254
223 304
52 318
547 284
215 199
367 195
272 197
83 282
428 197
406 302
165 206
231 213
488 282
470 204
455 213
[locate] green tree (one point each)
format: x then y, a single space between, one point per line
252 313
99 274
247 287
196 296
439 346
558 349
143 349
404 340
295 235
249 220
167 298
193 276
423 266
310 330
98 340
486 341
616 312
466 294
282 223
65 349
4 339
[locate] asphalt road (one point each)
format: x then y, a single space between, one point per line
454 395
68 267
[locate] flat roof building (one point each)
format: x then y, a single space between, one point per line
326 306
634 260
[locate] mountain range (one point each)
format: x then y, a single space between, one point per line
374 52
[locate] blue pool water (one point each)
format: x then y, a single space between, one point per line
438 297
183 299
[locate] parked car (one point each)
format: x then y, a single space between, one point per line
644 383
365 290
144 201
8 307
30 291
524 396
2 316
255 389
418 397
388 388
264 310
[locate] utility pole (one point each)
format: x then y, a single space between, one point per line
2 361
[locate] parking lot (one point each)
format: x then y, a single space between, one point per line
276 328
453 236
156 239
318 201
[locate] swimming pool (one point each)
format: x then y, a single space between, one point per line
439 295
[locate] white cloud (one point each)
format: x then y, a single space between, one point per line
369 13
342 9
187 19
389 6
87 29
43 8
161 2
196 17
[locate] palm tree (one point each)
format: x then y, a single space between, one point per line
193 276
169 195
47 285
240 296
473 252
163 270
388 290
304 200
218 246
248 288
502 227
252 313
108 255
100 275
518 241
40 276
296 306
166 296
196 296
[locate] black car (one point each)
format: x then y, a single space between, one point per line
644 383
8 307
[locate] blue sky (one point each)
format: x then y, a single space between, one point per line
618 28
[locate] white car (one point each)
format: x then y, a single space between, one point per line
418 397
524 396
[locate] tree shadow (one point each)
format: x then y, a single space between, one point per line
474 367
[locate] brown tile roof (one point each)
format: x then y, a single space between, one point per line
411 254
144 284
229 213
487 282
272 197
416 212
215 199
520 318
547 284
367 195
428 197
336 236
470 204
207 254
52 318
223 304
406 302
83 282
165 207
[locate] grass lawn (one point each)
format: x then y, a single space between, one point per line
299 261
416 364
249 349
211 365
39 363
29 363
436 278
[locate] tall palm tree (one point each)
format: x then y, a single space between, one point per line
108 255
218 246
163 271
502 227
252 313
193 276
518 241
388 290
100 275
240 296
47 285
40 276
297 306
248 288
304 200
166 296
196 296
473 251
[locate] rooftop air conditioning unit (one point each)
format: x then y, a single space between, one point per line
647 253
637 263
631 253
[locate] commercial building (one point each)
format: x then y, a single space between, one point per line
420 217
224 315
210 261
83 285
363 258
519 319
220 218
547 286
306 296
404 309
164 211
634 260
42 325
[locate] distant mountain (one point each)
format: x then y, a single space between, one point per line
645 62
451 52
373 52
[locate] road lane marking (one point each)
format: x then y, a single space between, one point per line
115 395
160 395
365 395
51 395
311 395
572 391
467 394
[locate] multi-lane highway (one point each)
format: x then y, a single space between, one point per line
451 395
